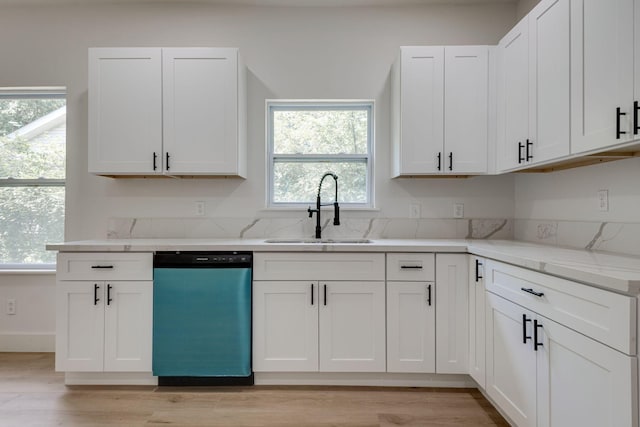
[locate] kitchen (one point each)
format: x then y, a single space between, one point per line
287 58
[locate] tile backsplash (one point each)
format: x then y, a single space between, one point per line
257 228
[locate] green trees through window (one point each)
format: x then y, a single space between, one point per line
32 173
309 138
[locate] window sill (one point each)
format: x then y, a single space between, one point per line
27 271
327 208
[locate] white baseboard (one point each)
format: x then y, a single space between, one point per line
28 343
110 378
364 379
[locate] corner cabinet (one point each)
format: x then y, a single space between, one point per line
104 312
167 111
477 333
533 88
548 338
318 312
435 88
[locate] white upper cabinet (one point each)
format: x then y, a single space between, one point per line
435 90
533 88
171 111
125 110
602 73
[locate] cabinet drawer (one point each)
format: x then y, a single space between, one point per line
599 314
307 266
411 267
105 266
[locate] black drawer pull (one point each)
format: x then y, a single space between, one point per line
451 160
636 123
411 267
98 267
312 294
439 161
325 294
520 156
529 152
109 299
532 292
478 276
429 294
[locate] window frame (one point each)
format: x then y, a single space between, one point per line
36 92
367 105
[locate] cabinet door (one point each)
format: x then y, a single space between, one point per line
513 95
200 116
411 327
422 109
128 326
636 69
582 382
125 111
452 314
466 109
285 326
601 72
511 363
549 119
79 326
352 327
477 320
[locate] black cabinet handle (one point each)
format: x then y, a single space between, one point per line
95 294
312 294
411 267
529 152
101 267
536 344
325 294
167 156
520 156
619 114
109 299
532 292
429 295
155 156
439 161
525 337
636 123
478 276
451 160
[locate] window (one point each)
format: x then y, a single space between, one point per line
32 175
306 139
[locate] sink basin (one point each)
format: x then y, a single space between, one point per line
320 241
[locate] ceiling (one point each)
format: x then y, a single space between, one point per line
300 3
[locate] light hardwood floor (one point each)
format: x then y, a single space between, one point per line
32 394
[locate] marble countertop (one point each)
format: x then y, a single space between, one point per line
610 271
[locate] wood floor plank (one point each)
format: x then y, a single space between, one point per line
32 394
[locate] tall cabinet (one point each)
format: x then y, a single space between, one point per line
533 88
435 90
167 111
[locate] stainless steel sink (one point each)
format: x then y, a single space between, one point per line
320 241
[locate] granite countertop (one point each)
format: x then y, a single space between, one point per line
616 272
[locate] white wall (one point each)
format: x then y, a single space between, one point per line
290 53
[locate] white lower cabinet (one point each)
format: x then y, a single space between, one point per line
452 314
541 373
477 320
411 327
104 326
104 312
323 323
327 326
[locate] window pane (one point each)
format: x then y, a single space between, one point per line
32 138
297 182
30 218
342 131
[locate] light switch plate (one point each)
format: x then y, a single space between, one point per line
458 210
603 200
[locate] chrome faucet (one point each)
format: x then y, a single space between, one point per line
336 208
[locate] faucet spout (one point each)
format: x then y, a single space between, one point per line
336 207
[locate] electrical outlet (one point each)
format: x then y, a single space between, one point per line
603 200
458 210
200 208
414 210
11 306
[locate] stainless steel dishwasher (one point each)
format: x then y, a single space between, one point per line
202 318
